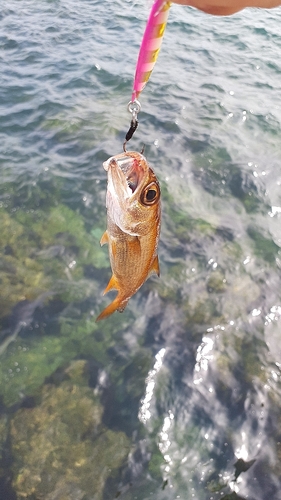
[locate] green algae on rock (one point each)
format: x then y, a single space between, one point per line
42 249
3 434
61 445
29 361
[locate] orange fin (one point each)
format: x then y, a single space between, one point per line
122 307
104 238
112 285
154 268
116 305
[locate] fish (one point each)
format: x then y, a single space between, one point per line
133 226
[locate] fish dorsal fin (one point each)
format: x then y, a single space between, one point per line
112 284
104 238
154 268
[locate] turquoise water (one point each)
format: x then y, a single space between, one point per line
179 396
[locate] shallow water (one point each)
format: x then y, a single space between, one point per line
178 397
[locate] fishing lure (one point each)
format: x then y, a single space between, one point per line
149 50
151 44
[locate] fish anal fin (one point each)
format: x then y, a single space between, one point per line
154 268
112 284
104 238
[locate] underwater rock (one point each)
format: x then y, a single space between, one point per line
263 246
36 353
44 250
216 282
60 448
3 432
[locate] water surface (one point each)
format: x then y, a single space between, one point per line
179 396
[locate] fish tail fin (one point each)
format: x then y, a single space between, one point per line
117 305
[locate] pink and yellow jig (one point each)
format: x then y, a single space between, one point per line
149 50
151 44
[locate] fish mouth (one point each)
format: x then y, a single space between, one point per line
130 168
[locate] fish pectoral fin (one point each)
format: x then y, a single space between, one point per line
104 238
154 268
112 284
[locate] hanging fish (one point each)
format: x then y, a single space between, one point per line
133 226
151 43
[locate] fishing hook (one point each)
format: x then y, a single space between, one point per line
134 108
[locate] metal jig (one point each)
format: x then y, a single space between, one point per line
148 53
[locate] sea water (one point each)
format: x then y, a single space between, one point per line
184 386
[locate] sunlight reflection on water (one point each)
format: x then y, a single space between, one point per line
144 412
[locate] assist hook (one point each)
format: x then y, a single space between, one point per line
134 108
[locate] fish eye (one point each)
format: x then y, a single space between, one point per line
150 194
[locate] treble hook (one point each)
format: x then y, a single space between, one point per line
134 108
